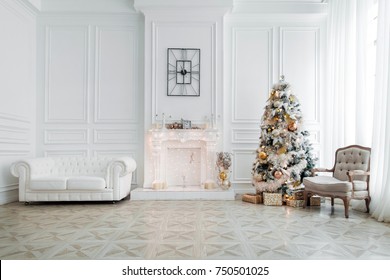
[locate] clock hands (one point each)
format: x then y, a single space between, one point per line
183 71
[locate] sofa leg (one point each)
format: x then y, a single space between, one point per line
26 203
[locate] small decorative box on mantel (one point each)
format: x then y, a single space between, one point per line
252 198
272 199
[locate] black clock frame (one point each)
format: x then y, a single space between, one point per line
183 71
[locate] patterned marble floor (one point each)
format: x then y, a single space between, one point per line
188 230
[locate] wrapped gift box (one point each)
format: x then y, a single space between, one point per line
297 195
272 199
252 198
295 202
315 200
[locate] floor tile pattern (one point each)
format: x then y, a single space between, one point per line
188 230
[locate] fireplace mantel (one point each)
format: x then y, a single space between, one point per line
183 135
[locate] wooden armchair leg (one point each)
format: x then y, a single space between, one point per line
305 195
346 206
332 201
368 200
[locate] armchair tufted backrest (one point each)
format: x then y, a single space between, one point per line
351 158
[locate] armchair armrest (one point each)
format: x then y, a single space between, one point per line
319 169
353 173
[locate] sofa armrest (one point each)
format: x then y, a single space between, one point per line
26 169
119 167
122 166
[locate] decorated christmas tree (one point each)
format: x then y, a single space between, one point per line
284 155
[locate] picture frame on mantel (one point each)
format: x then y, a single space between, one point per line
183 72
186 124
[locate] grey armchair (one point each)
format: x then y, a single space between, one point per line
350 178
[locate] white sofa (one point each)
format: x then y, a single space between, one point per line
74 178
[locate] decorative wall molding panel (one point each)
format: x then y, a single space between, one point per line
14 129
66 136
245 136
115 136
6 117
58 153
252 71
242 165
116 74
300 62
66 74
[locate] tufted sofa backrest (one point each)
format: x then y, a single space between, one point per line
75 165
351 158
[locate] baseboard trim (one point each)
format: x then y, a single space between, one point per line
9 194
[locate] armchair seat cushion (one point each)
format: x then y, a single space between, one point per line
86 183
48 183
327 184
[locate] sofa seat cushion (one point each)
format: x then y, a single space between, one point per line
86 183
48 183
327 184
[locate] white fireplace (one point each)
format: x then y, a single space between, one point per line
183 158
181 166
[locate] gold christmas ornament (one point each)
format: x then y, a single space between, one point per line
292 126
262 155
282 150
222 175
278 174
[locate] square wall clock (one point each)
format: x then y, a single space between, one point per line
183 72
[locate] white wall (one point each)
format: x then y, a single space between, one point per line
89 94
17 91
